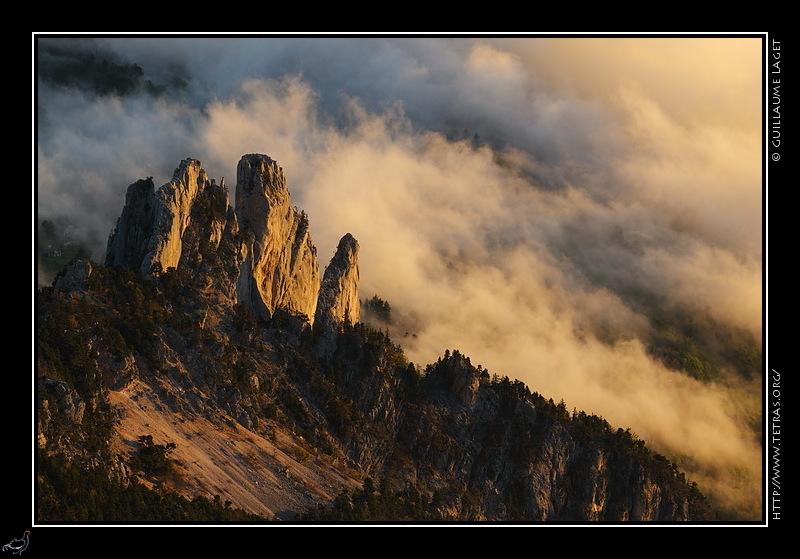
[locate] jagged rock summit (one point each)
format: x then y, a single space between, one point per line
260 254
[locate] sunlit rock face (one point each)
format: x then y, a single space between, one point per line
281 270
260 254
174 202
338 296
185 225
149 232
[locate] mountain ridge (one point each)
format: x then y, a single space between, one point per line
205 319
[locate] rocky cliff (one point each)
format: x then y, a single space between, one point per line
281 269
178 227
209 334
338 296
338 303
270 261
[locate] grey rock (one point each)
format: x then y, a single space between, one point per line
75 276
68 403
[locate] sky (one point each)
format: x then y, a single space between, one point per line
532 202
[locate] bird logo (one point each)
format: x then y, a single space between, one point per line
18 545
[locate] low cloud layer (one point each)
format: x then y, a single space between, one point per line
528 202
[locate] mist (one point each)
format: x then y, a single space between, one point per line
531 202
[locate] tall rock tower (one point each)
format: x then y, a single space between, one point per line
280 270
338 302
338 295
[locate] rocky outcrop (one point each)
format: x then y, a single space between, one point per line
174 203
129 242
75 276
56 399
260 254
281 270
185 225
338 294
338 302
149 235
67 400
